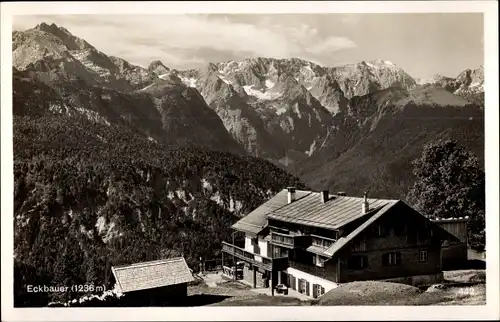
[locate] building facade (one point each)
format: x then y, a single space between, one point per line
312 241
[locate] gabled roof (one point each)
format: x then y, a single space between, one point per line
255 221
333 214
152 274
342 241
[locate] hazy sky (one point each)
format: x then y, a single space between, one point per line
422 44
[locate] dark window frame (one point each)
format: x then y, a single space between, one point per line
380 231
426 257
357 262
387 259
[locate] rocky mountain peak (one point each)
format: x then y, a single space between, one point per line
46 27
70 41
157 67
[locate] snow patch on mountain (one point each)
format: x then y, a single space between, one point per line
295 109
149 86
83 57
260 93
224 79
379 63
312 148
189 81
281 110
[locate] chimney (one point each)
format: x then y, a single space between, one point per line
291 194
324 196
365 206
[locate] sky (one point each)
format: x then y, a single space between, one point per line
423 44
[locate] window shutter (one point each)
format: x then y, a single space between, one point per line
385 259
307 288
315 290
322 290
300 285
398 258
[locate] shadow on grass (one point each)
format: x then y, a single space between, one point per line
469 264
199 300
475 264
189 301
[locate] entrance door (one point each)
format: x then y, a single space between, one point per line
284 279
292 282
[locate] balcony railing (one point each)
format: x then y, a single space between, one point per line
255 259
289 241
314 270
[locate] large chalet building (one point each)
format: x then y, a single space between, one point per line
312 241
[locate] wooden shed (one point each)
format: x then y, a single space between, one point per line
154 283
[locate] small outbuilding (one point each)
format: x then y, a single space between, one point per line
154 283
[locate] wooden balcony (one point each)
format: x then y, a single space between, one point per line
256 259
288 241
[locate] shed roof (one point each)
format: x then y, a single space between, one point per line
147 275
256 220
333 214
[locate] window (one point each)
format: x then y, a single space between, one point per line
308 230
317 242
318 290
282 239
320 261
276 252
380 231
357 262
303 285
321 242
359 245
391 259
292 282
423 256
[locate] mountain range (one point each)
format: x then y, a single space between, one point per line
116 163
299 115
